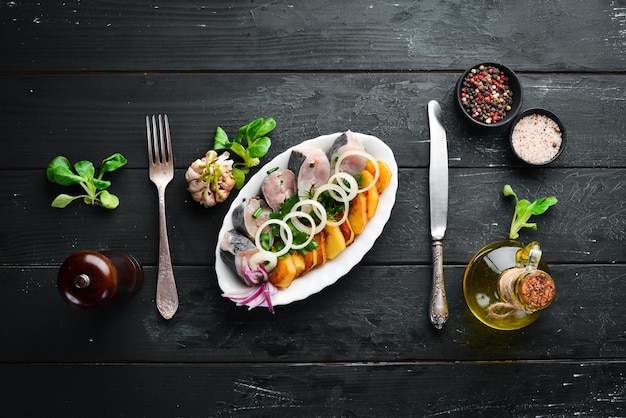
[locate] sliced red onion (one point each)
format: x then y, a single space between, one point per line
257 290
268 296
253 276
260 290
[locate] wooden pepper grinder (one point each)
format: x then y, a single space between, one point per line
90 279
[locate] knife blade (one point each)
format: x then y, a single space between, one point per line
438 192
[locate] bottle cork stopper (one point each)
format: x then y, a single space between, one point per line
537 289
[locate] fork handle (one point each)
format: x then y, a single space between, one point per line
166 295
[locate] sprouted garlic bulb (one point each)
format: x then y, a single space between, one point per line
210 178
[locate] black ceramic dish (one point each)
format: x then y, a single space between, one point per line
514 87
544 112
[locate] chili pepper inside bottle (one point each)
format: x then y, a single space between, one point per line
507 285
90 279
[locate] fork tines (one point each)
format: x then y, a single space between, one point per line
159 144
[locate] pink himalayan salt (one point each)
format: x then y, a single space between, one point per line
536 138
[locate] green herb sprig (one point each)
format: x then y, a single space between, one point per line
257 143
299 237
525 209
59 171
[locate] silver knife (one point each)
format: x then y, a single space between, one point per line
438 191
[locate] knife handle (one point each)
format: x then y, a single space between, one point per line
438 300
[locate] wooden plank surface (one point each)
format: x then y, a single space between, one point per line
325 390
75 112
586 226
560 35
373 314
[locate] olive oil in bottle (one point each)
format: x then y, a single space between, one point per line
507 285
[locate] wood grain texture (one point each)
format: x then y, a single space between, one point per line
373 314
317 35
587 225
420 389
69 114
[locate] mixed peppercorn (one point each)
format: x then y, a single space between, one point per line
486 95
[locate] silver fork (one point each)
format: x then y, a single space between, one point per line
161 167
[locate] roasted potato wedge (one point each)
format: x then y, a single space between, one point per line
320 239
298 261
372 201
334 241
372 193
384 174
357 215
310 259
284 273
348 233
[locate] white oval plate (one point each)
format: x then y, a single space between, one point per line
320 276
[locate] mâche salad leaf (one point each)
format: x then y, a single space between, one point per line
524 209
256 145
84 174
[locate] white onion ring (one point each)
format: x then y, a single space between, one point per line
319 210
362 154
309 218
352 190
265 258
343 199
287 240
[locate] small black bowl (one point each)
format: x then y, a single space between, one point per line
514 87
542 144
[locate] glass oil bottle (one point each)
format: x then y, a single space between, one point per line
508 285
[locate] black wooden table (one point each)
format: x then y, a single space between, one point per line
77 78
